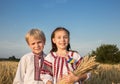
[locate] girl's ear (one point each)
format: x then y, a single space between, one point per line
53 40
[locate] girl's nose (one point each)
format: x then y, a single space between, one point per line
63 39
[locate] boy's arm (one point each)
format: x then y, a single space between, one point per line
19 77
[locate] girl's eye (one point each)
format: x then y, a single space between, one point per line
59 37
66 37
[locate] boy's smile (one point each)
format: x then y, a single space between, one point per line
36 45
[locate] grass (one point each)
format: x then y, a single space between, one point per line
104 74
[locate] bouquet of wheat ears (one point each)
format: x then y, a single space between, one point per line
87 64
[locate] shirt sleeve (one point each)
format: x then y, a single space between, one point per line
77 57
88 75
20 73
46 77
46 71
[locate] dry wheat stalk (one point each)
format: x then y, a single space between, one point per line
87 64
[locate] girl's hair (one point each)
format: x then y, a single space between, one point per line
36 34
54 47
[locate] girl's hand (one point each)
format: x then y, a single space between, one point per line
70 78
49 82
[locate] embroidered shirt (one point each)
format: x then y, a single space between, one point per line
26 70
55 67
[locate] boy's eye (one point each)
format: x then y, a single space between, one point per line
39 41
33 44
65 36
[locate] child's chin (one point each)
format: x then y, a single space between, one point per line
38 52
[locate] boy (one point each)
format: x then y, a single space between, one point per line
30 64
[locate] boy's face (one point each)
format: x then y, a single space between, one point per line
36 45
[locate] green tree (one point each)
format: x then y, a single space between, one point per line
107 53
12 58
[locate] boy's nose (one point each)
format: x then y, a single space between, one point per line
36 45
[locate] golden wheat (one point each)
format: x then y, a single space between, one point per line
104 74
87 64
7 71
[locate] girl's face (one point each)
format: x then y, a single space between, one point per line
61 39
36 45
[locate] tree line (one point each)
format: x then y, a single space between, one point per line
12 58
107 53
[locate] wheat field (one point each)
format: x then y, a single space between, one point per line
7 71
104 74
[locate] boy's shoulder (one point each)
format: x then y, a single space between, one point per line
31 55
27 55
44 54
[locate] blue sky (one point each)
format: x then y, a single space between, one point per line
90 22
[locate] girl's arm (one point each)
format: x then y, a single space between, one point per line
72 78
81 77
49 82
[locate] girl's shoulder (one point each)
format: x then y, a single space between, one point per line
50 56
73 53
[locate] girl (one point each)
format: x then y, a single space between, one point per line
61 61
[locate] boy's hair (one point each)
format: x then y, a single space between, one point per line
54 47
36 34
